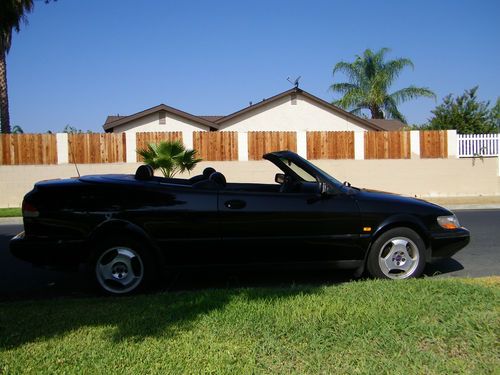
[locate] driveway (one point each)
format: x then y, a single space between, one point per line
20 280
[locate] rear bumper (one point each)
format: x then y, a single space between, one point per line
46 252
446 244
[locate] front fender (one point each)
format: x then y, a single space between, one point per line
395 221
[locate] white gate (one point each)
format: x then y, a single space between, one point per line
472 145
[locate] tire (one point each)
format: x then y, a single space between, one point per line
398 253
122 267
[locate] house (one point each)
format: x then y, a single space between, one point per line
291 110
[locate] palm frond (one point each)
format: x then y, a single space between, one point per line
411 92
343 87
391 110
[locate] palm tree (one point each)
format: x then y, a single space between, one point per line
369 79
170 157
13 14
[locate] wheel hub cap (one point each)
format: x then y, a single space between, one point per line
398 258
119 270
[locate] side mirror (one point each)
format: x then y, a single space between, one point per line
279 178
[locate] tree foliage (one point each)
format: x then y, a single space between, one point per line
170 157
466 113
370 77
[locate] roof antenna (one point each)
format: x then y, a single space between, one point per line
296 82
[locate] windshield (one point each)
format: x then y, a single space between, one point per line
329 177
298 170
308 176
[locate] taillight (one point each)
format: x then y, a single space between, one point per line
29 210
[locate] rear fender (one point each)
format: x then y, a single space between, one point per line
122 228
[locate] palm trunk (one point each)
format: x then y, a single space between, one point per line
376 112
4 97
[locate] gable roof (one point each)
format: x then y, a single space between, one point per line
313 98
388 125
215 121
113 121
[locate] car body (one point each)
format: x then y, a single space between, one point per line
129 228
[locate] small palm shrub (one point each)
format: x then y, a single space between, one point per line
170 157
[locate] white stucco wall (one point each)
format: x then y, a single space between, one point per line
151 123
282 115
415 177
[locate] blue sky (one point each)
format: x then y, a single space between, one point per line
79 60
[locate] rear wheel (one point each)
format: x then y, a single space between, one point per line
398 253
122 268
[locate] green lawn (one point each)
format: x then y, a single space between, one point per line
10 212
426 326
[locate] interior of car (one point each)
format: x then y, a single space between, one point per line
210 179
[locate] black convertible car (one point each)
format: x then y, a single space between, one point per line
130 228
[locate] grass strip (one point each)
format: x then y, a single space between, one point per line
10 212
424 326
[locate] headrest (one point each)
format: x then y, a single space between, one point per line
208 171
144 172
218 178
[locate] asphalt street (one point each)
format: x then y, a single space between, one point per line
20 280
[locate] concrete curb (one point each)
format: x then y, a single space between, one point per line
494 206
11 220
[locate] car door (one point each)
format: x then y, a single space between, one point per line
182 221
288 227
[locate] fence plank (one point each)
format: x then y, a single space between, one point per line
17 149
143 139
216 146
330 145
96 148
433 144
387 145
260 143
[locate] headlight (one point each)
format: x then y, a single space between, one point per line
448 222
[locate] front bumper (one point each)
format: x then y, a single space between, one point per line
446 244
47 252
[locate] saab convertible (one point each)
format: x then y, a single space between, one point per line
129 229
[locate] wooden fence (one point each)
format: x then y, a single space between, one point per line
215 146
18 149
143 139
330 145
260 143
434 144
387 145
96 148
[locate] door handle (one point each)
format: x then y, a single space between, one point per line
235 204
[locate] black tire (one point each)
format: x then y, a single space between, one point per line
398 253
122 267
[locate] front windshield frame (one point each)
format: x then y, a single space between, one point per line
282 158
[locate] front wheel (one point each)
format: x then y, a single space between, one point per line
122 269
398 253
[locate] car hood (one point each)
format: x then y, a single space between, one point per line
404 202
